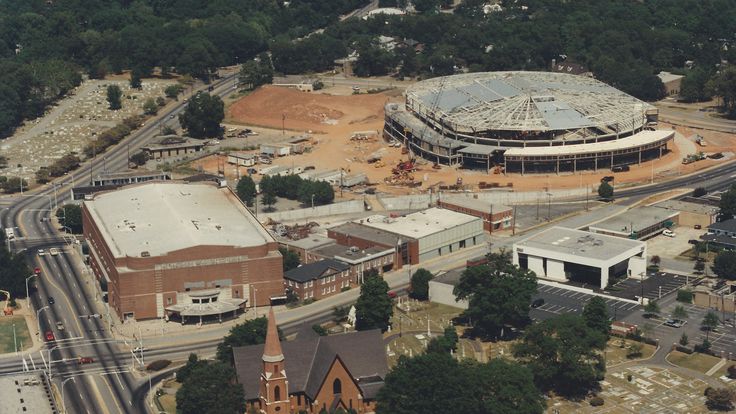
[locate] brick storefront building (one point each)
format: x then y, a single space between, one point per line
495 216
169 249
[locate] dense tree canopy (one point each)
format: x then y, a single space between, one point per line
210 388
291 258
13 270
499 295
246 190
419 287
564 355
203 115
436 383
595 315
724 264
70 216
373 309
728 204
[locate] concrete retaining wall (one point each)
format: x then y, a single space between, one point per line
346 207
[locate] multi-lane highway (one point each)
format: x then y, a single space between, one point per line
107 383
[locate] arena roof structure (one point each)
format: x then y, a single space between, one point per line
525 101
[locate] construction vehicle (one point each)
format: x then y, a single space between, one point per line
408 166
7 310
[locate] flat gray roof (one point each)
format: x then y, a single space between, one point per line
687 206
420 224
451 277
639 217
26 393
342 252
367 233
162 217
580 243
308 243
474 203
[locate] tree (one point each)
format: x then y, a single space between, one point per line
699 192
268 200
251 332
655 260
13 185
605 191
444 343
150 107
70 216
720 399
498 294
693 87
679 312
203 115
13 270
652 308
699 266
419 287
255 73
246 190
710 322
173 91
374 308
42 175
724 264
684 340
135 79
192 362
319 330
139 158
595 314
210 388
291 259
728 204
564 355
113 97
436 383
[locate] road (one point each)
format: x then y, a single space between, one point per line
108 385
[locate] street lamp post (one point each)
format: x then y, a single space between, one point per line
312 201
38 318
28 298
63 403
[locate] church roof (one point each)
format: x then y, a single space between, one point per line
308 360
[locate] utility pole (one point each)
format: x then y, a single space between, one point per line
513 222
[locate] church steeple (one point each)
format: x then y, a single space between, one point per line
274 396
272 351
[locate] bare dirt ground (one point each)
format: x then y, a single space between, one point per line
72 123
333 115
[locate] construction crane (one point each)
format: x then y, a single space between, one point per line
7 310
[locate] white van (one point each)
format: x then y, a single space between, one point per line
668 233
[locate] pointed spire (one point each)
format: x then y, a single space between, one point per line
272 350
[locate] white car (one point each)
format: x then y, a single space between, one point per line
41 252
54 251
668 233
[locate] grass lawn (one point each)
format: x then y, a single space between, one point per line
616 354
23 337
697 362
168 400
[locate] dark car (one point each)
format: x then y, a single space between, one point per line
620 168
607 179
537 302
697 227
51 300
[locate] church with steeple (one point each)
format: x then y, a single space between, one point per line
312 373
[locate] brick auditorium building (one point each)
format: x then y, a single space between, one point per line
312 374
191 252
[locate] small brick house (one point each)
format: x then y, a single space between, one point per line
318 280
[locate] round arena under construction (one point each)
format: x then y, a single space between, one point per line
525 122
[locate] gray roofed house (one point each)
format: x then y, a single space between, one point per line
316 270
308 361
726 227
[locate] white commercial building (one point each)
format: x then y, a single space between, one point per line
564 254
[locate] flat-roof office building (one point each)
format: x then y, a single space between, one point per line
563 254
190 251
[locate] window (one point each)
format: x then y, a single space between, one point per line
276 369
277 393
169 301
333 278
323 291
237 294
336 386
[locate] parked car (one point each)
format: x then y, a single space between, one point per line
41 252
537 302
50 336
607 179
264 160
675 323
54 251
697 227
620 168
668 233
51 300
86 360
252 171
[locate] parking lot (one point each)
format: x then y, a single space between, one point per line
656 286
558 300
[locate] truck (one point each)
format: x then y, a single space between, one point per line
9 233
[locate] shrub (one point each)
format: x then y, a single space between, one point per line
596 401
699 192
732 372
684 295
634 351
703 348
158 365
319 329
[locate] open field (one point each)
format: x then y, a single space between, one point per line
168 399
697 362
22 335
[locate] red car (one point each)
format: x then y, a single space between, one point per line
86 360
50 336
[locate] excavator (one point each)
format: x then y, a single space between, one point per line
7 310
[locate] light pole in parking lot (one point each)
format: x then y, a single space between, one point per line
38 318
